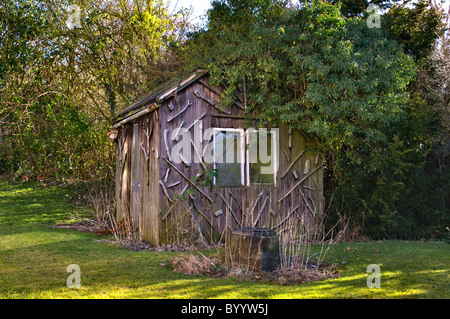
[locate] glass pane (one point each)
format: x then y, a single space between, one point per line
260 157
227 150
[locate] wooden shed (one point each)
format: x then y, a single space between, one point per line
154 172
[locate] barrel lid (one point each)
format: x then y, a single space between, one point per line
254 232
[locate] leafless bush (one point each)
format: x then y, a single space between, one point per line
102 198
435 83
304 242
199 264
180 226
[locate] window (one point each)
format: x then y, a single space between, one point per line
237 166
261 157
229 157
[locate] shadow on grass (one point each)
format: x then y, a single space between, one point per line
34 258
26 205
39 271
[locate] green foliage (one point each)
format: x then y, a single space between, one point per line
353 8
206 177
237 15
415 24
60 87
343 83
316 67
423 206
203 179
57 139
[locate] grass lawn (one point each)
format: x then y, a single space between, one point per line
34 258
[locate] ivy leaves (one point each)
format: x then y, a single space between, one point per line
332 77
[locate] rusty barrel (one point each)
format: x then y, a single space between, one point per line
256 249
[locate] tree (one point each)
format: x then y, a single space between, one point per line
61 83
415 24
117 46
423 203
342 83
353 8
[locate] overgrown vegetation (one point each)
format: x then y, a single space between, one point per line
355 90
376 100
64 75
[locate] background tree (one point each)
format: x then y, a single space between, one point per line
346 85
61 85
423 204
353 8
415 24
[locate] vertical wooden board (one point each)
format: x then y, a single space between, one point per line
125 187
118 188
283 183
142 166
192 171
164 115
132 179
231 209
298 146
135 180
139 175
182 98
320 195
202 108
218 221
264 207
155 171
143 175
149 202
160 151
145 181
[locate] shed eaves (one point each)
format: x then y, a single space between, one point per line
160 95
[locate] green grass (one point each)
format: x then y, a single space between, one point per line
34 258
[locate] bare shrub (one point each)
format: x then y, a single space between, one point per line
99 196
199 264
180 226
303 241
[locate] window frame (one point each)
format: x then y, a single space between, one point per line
242 152
244 136
274 134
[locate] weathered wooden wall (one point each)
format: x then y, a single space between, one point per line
137 194
258 205
149 181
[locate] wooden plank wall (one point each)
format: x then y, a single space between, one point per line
137 194
123 167
147 186
172 183
261 206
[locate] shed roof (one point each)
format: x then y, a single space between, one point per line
154 99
